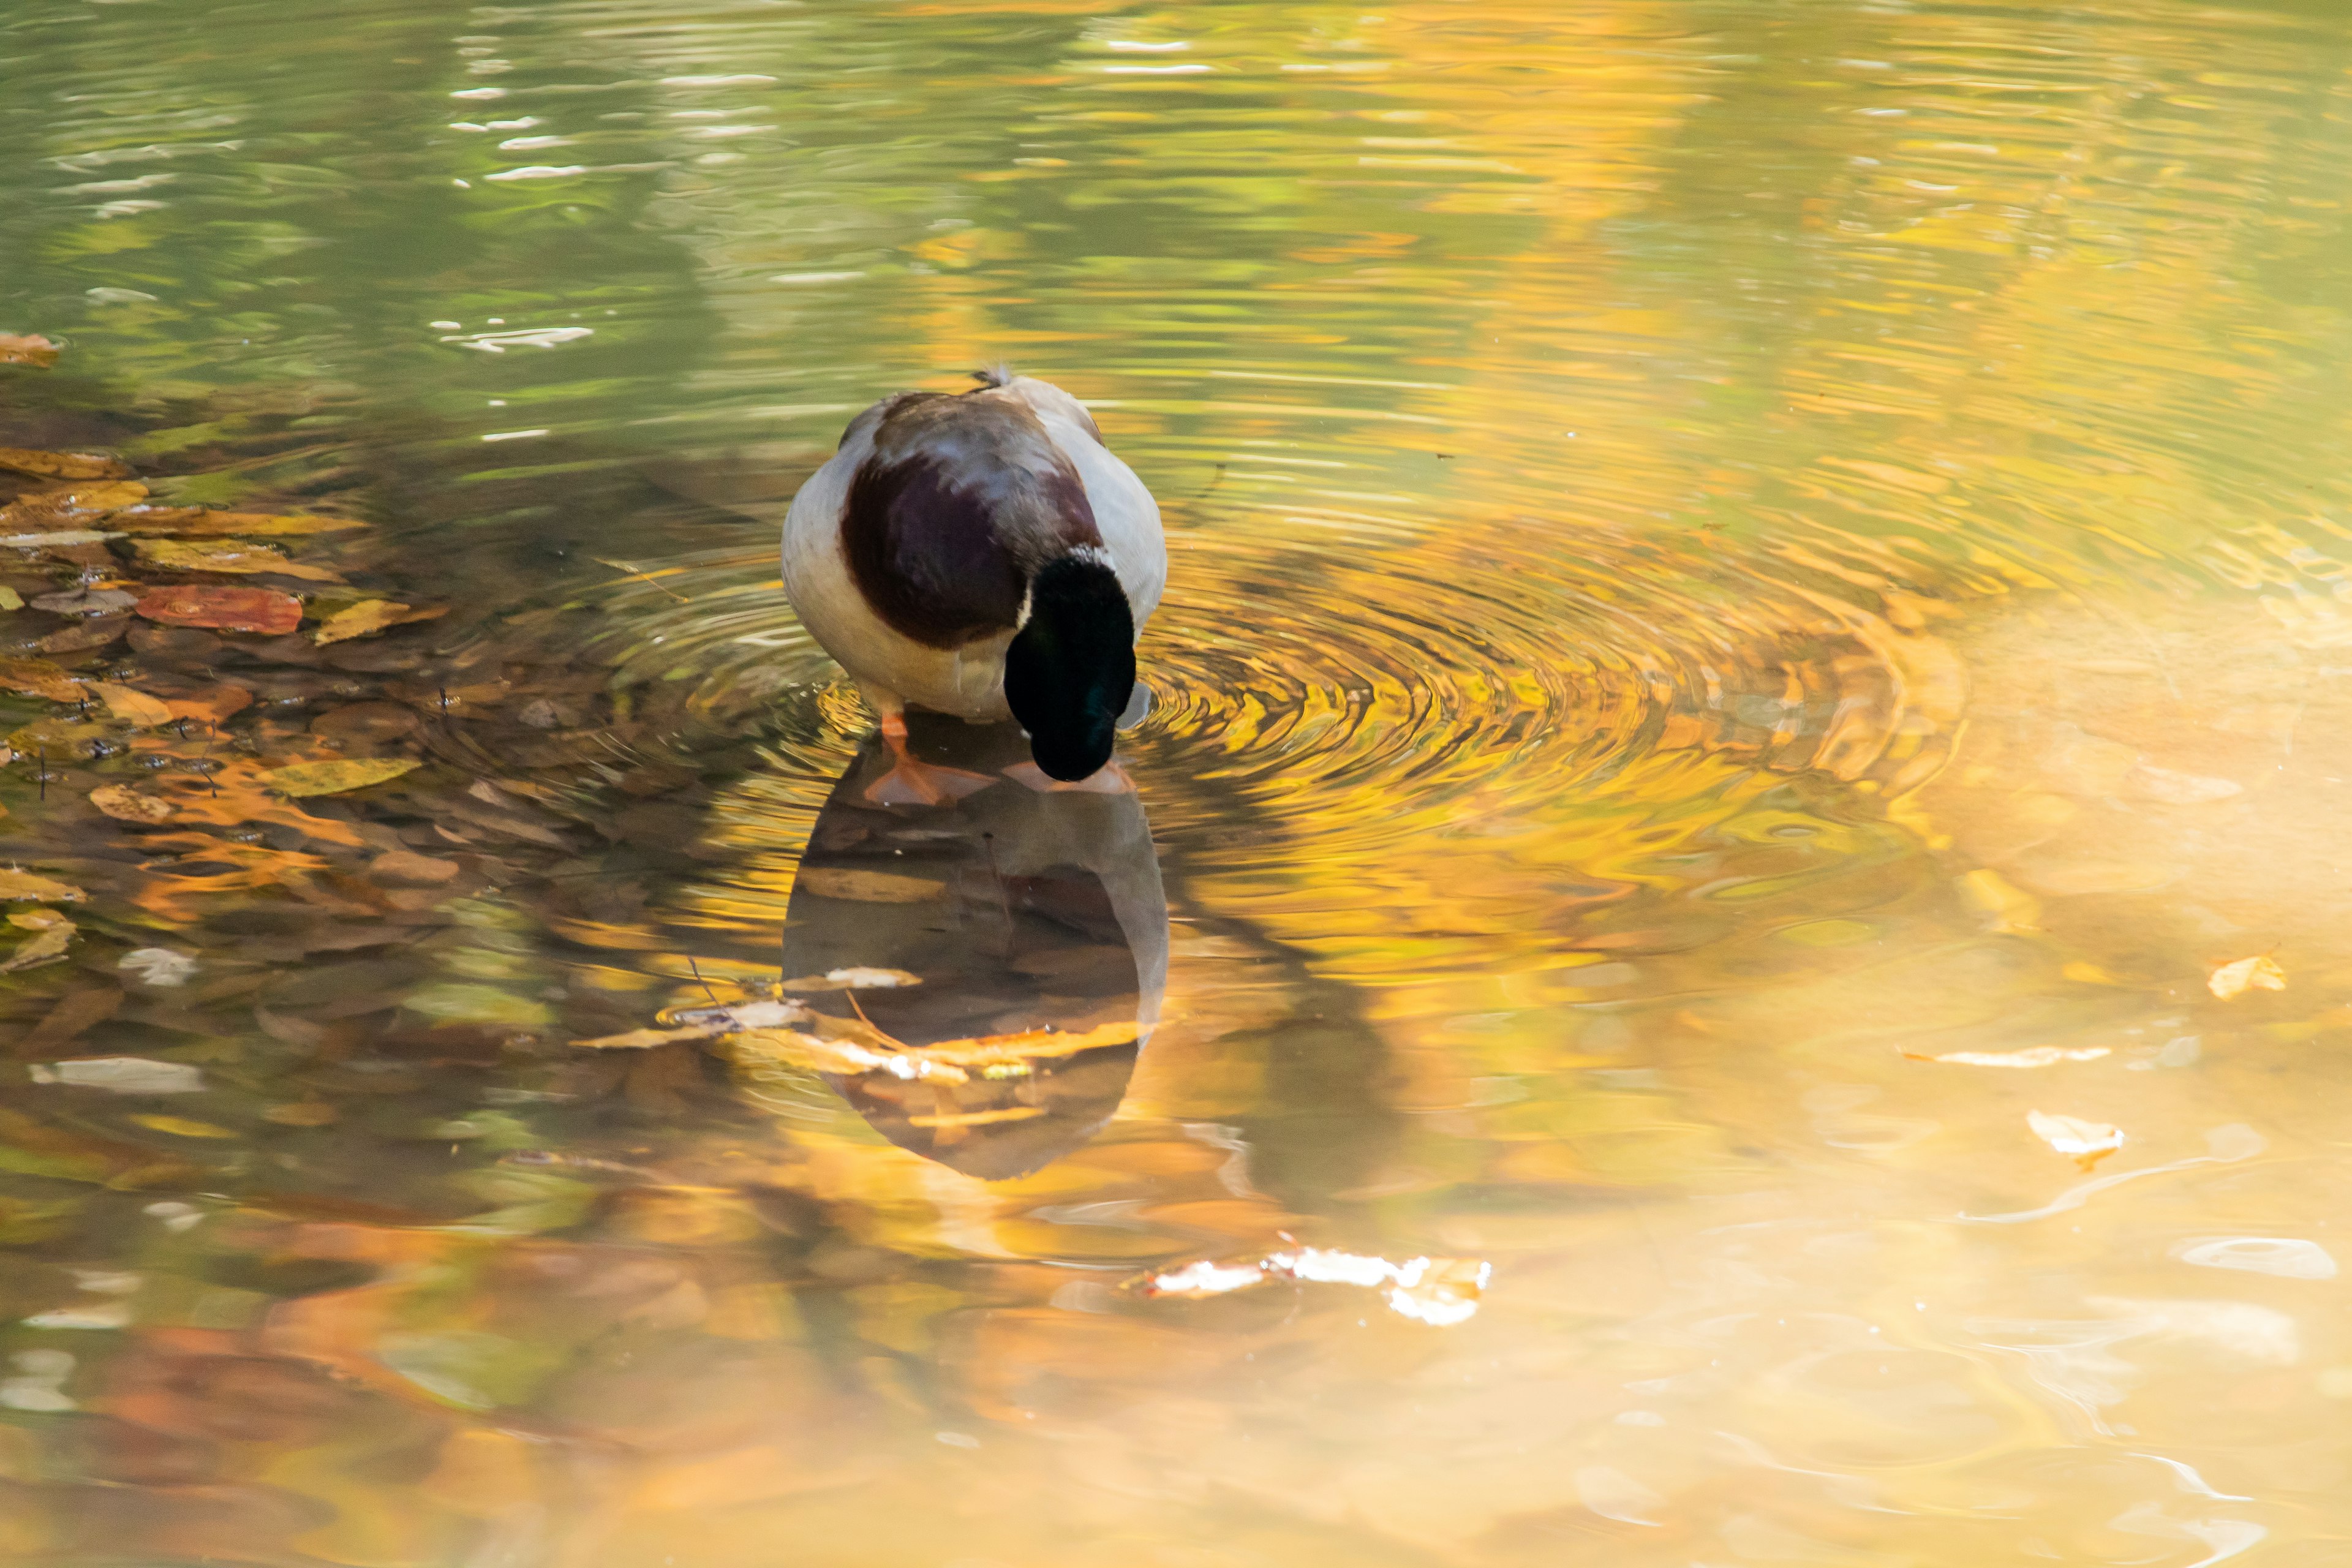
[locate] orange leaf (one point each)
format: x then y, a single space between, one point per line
27 348
63 465
125 804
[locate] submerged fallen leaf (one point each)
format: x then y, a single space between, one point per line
39 677
199 522
210 704
233 556
867 887
2262 974
96 632
25 885
854 979
223 609
131 707
63 465
125 804
22 348
122 1075
2088 1142
157 965
2034 1056
333 778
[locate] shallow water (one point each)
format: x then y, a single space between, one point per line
1759 598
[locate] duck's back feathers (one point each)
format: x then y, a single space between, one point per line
910 553
959 501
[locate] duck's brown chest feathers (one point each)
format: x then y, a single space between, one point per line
959 503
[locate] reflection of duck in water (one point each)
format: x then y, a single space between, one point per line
984 555
1019 910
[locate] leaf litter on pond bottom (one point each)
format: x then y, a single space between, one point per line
226 609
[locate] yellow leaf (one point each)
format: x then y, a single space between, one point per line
10 599
39 677
333 778
2087 1142
979 1118
63 465
364 620
131 707
2262 974
233 556
181 1127
125 804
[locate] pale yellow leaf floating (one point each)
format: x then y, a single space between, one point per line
334 778
125 804
25 885
10 599
2246 975
2087 1142
131 707
2034 1057
233 556
364 620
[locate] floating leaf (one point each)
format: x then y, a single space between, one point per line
200 521
10 599
181 1127
2034 1056
39 677
235 556
63 465
366 618
125 804
25 885
17 348
210 704
1440 1291
131 707
2088 1142
223 609
334 778
85 602
2262 974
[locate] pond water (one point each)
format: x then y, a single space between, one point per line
1730 945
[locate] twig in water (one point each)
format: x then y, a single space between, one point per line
698 980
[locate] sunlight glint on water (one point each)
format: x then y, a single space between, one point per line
1722 552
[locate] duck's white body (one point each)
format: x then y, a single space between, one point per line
970 440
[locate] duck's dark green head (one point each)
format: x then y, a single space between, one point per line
1071 667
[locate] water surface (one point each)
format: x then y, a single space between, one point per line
1757 599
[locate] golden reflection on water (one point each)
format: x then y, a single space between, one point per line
1758 600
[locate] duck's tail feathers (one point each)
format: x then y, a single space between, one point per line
998 374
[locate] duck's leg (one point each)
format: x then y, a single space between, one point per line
910 781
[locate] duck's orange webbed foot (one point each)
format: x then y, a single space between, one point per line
913 783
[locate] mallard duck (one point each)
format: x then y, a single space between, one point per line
984 554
